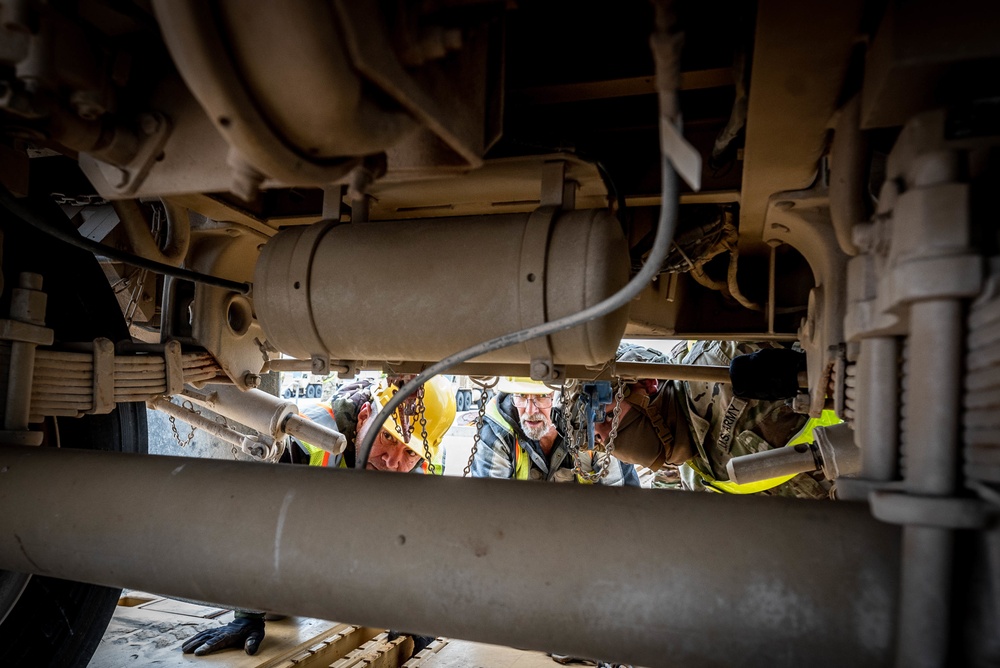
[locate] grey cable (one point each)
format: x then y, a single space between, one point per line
661 245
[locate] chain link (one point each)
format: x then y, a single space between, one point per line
576 435
399 411
479 422
187 405
566 399
616 416
422 412
575 422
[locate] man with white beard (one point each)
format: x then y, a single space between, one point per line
519 439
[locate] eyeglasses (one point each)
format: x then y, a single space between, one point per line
540 400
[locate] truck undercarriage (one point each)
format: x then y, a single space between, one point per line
196 194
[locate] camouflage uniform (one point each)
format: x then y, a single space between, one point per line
723 427
666 476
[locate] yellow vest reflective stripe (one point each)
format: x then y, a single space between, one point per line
805 435
319 456
522 462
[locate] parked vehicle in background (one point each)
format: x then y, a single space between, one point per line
302 385
468 394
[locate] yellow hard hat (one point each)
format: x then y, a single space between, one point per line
404 423
522 385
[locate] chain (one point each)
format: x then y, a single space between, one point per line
616 416
576 433
186 404
422 412
479 422
574 423
400 412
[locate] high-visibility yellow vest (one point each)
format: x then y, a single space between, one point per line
320 457
522 462
323 415
805 435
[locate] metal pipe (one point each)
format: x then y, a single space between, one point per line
877 422
692 372
288 364
706 373
772 464
312 433
212 427
266 414
502 561
935 385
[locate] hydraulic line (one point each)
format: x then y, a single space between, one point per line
29 215
666 51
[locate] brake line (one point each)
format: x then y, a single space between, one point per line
40 222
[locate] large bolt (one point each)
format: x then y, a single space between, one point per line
251 380
540 369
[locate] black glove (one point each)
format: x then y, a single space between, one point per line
769 374
247 630
420 643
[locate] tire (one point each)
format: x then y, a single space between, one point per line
287 394
310 392
460 401
57 622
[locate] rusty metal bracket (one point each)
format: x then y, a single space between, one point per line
531 286
15 330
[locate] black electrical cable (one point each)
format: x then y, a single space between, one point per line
19 208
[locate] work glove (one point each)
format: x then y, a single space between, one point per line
769 374
247 630
420 643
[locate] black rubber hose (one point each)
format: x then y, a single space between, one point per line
23 209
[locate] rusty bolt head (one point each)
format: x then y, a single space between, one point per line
251 380
540 369
320 365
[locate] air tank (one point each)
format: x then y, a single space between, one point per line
420 290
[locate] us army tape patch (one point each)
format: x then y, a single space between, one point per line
733 413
